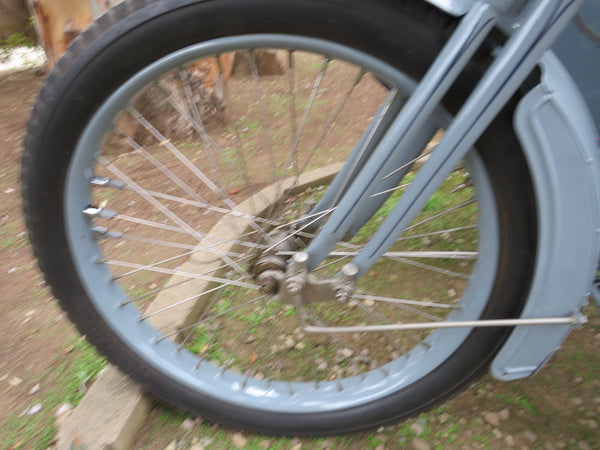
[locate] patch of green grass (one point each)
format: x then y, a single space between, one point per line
11 237
520 401
207 344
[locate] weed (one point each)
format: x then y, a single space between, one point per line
520 401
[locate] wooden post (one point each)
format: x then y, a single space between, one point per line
58 22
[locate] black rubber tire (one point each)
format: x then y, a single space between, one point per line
407 34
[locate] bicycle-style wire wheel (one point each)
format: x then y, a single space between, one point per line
181 158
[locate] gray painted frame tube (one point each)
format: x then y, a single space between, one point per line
515 62
396 147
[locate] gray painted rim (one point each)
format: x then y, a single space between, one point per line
306 397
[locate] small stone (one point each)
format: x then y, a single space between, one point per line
418 427
62 410
589 423
576 401
188 424
447 236
265 444
15 381
505 414
34 409
369 302
419 444
296 447
34 389
578 380
300 346
346 352
492 418
583 445
321 364
443 418
530 436
451 293
509 441
289 343
197 447
239 440
207 441
497 433
353 369
426 241
172 446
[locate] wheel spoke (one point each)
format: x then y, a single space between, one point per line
229 206
179 273
166 211
186 162
422 303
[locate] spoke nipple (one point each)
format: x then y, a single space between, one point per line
98 232
92 211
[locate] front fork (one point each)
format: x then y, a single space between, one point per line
390 144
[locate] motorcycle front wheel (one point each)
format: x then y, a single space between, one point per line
178 150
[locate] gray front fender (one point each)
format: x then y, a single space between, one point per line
559 139
453 7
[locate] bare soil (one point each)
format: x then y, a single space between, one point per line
559 408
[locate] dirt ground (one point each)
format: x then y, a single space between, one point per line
559 408
33 328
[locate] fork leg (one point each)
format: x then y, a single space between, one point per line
517 59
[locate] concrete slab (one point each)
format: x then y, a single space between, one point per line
108 417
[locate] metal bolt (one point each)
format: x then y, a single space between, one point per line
349 271
341 295
293 286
